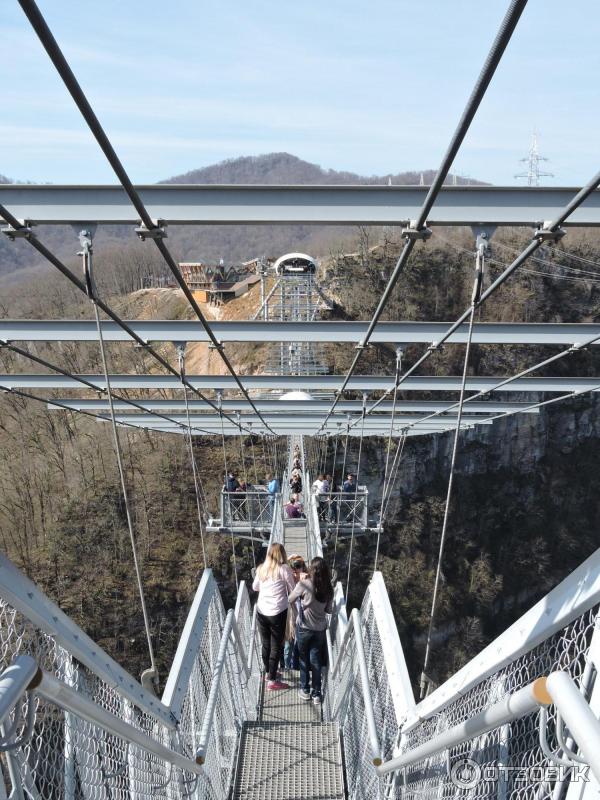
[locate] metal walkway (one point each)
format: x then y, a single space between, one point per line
290 753
294 538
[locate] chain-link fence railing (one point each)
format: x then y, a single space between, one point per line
75 751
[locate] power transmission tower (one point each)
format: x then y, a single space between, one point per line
533 173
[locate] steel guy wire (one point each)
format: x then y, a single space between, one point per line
151 229
419 229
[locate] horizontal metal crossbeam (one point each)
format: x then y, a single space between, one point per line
303 429
286 420
318 205
308 383
292 332
311 406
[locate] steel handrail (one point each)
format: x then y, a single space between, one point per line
558 688
366 689
229 628
22 675
68 699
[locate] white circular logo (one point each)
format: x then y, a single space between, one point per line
465 774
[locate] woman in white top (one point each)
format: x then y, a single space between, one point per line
274 581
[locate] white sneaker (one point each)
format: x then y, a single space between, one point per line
303 695
317 700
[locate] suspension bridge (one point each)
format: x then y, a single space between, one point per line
518 721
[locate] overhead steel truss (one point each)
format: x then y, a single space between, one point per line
288 383
340 331
307 205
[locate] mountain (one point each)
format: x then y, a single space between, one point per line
230 242
278 168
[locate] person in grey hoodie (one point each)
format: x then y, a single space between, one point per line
315 593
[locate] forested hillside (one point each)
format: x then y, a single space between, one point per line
527 490
229 242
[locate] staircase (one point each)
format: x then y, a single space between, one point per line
289 753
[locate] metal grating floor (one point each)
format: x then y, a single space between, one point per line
289 761
286 706
294 538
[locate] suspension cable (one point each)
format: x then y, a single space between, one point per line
360 444
150 228
148 676
418 229
477 286
16 227
550 231
181 357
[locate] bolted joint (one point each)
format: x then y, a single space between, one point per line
143 346
545 234
24 232
577 347
362 346
435 346
157 232
414 233
219 346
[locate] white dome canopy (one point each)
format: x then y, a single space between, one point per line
296 395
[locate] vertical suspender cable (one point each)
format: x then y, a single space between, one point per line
249 503
149 676
394 471
387 457
219 403
360 444
474 299
337 524
181 358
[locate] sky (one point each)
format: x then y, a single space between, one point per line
373 88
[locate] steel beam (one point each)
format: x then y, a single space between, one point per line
307 205
285 420
307 383
330 331
311 406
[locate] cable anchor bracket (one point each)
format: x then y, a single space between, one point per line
545 234
157 232
24 232
415 234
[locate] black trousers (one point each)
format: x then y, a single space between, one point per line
272 634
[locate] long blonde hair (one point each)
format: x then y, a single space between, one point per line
276 558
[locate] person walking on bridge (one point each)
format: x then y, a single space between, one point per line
274 581
315 593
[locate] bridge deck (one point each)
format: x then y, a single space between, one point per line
294 538
290 753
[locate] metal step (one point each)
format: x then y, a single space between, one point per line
289 761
